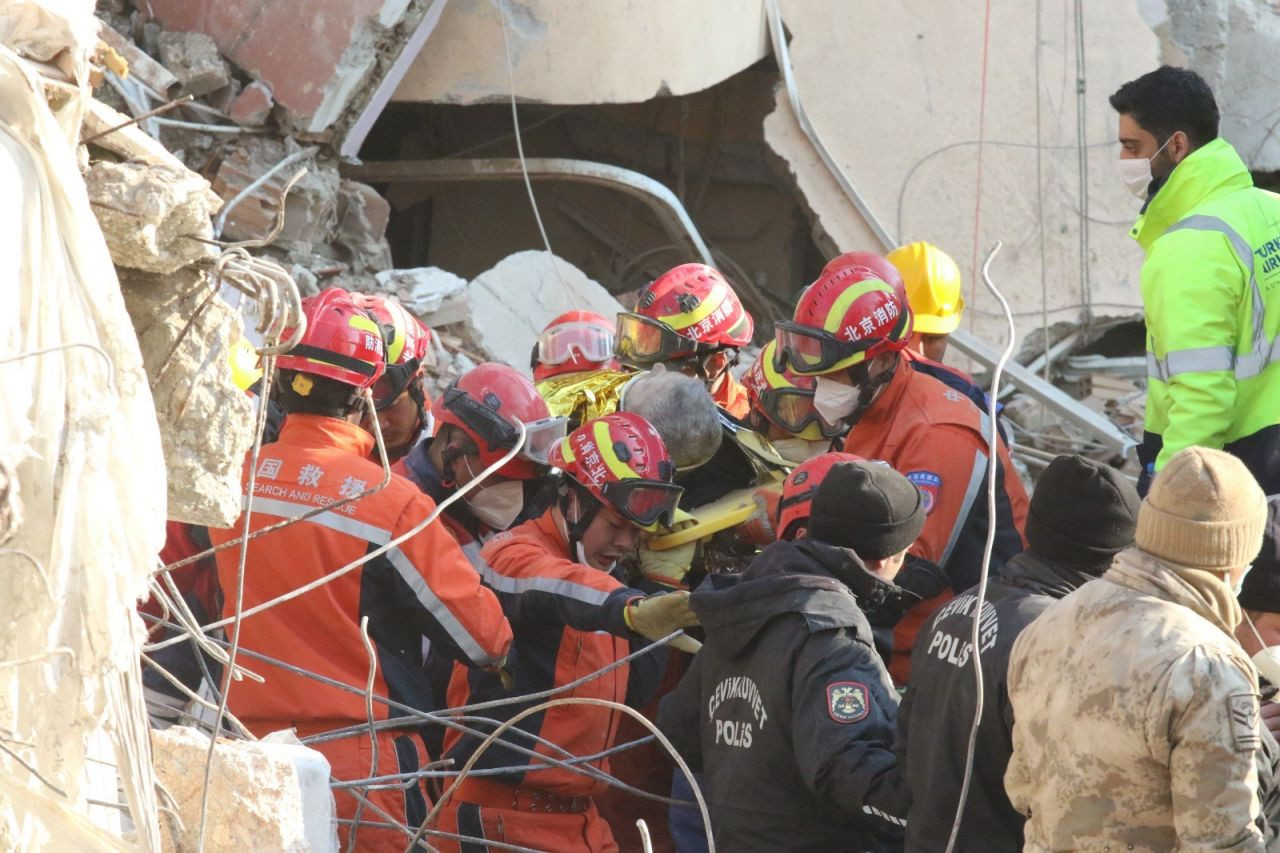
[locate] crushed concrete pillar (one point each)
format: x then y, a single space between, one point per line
148 211
194 60
267 795
206 422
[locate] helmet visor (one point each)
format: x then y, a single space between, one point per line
575 342
809 351
644 502
393 382
492 428
793 410
643 341
541 436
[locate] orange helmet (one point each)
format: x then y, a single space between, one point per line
800 487
855 310
785 399
574 341
342 342
407 342
620 460
685 311
489 403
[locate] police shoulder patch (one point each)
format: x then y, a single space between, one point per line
847 701
929 485
1243 711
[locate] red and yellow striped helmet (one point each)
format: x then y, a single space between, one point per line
686 310
341 342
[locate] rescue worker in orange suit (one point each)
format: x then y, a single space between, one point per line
689 319
571 618
478 419
574 342
849 330
424 586
934 291
399 395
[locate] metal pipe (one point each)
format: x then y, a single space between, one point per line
670 212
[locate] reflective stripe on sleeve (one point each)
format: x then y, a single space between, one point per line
970 495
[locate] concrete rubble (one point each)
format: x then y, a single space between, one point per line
206 421
267 795
149 213
194 60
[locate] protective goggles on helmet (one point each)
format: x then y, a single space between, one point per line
793 410
643 341
809 351
575 341
393 382
645 502
499 433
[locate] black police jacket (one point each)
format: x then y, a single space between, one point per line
937 710
788 710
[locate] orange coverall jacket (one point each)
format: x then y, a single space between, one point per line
937 438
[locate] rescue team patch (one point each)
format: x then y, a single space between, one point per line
847 701
929 485
1243 710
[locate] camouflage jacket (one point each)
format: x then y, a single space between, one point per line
1136 717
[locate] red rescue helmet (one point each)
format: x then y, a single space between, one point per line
407 342
575 341
342 342
849 315
488 403
800 487
687 310
785 399
621 461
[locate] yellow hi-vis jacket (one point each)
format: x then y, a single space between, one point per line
1211 289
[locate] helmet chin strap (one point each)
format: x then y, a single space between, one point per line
587 507
868 387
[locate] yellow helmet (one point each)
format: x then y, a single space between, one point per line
934 288
244 364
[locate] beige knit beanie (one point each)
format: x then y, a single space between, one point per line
1204 510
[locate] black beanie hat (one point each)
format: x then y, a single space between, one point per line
1260 590
1082 514
868 508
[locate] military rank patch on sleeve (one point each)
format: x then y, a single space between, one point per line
1243 710
848 701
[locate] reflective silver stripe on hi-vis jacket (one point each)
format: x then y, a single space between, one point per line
1204 359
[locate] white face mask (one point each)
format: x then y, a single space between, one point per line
797 450
1268 659
1136 172
497 506
835 401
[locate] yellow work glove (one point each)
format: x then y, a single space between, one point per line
656 616
667 567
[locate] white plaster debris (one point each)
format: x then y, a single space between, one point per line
149 212
436 296
513 301
268 795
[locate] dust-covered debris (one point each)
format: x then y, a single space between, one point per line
206 422
149 213
194 60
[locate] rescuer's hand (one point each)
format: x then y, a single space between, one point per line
657 616
759 528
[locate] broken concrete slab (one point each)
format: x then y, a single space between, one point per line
436 296
206 423
311 210
194 60
362 226
511 303
314 70
635 51
252 106
918 172
1227 42
148 213
271 794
